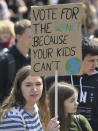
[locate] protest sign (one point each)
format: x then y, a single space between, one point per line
56 39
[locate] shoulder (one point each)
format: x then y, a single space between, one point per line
13 114
3 60
82 118
11 121
5 54
84 122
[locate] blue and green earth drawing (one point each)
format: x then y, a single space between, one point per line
73 66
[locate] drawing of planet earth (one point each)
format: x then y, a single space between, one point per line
73 66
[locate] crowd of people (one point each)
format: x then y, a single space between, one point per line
26 101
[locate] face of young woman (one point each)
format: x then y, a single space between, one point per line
71 104
32 88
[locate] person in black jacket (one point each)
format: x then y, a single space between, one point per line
87 83
20 55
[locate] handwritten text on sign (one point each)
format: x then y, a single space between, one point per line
56 37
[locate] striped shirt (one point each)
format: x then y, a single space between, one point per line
17 119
